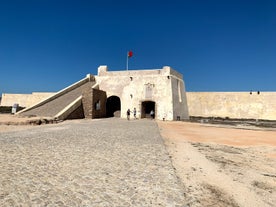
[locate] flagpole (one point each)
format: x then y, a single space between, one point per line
127 62
129 55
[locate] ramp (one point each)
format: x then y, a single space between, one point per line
63 101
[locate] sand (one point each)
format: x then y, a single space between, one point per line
9 122
223 166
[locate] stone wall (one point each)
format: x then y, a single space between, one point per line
24 100
93 102
241 105
165 87
78 113
61 104
87 102
98 103
179 99
131 86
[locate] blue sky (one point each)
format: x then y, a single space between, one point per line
46 45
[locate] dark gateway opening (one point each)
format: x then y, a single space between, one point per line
113 106
147 106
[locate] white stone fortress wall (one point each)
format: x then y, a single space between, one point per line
167 89
241 105
163 86
24 100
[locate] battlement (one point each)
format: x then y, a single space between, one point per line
165 71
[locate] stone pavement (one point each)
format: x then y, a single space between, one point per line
105 162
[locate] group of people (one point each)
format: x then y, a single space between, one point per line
134 114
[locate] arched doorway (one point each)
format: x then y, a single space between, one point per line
113 106
147 106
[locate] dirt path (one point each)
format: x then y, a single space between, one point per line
223 166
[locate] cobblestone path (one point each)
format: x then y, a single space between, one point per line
106 162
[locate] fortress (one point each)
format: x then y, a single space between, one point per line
112 93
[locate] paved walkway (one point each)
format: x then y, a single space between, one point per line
107 162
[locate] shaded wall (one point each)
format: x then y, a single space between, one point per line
78 113
98 103
94 103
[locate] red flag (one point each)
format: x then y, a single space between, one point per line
130 53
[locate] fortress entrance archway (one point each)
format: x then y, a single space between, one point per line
146 107
113 106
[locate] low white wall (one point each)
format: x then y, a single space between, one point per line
241 105
24 100
233 104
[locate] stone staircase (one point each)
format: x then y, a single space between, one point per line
55 104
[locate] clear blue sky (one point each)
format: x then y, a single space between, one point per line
223 45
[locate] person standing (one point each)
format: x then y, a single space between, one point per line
128 114
152 114
134 113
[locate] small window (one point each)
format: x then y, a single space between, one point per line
98 105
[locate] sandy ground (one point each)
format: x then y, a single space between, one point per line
223 166
218 165
10 122
9 118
